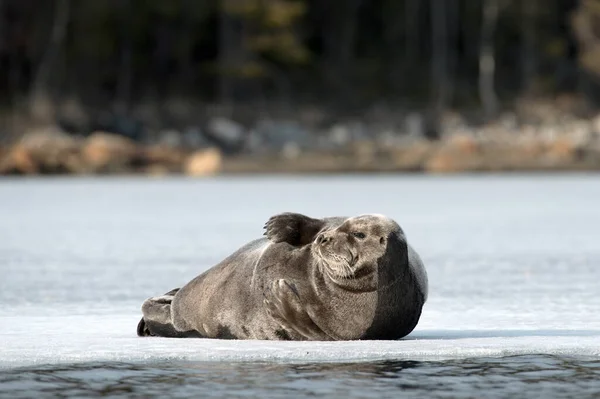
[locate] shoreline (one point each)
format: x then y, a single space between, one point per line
494 148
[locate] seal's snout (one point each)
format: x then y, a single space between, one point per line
322 239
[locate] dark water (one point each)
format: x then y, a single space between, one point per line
514 377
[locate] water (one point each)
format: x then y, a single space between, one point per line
512 262
514 377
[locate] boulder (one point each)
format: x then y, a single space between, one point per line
106 153
170 138
508 156
563 150
228 134
162 158
460 153
193 137
277 135
203 162
464 143
44 151
413 156
18 161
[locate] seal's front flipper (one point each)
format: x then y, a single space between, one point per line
284 305
294 228
156 320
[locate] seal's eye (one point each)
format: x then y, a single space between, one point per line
359 235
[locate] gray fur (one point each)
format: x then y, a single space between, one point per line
309 279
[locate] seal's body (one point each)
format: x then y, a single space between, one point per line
310 279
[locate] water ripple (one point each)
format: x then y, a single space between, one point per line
515 376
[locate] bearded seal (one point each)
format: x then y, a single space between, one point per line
334 278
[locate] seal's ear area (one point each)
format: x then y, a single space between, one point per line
382 240
293 228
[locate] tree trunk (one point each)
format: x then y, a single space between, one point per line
125 78
226 57
392 61
348 31
487 62
470 37
438 65
528 53
453 23
339 36
439 59
412 37
39 97
186 72
14 58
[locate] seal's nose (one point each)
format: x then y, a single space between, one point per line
322 239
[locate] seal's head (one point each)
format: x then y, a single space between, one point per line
353 249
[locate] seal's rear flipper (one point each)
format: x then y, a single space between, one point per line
142 329
157 318
152 329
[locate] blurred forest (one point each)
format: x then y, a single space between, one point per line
139 67
344 54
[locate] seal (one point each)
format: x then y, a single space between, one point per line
334 278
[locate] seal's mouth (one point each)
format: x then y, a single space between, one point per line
339 265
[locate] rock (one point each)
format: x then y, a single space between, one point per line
363 149
464 143
46 151
459 154
256 142
278 135
291 150
506 156
582 132
530 148
413 156
340 135
363 154
203 163
170 138
227 133
161 157
193 137
390 138
563 150
106 152
19 162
